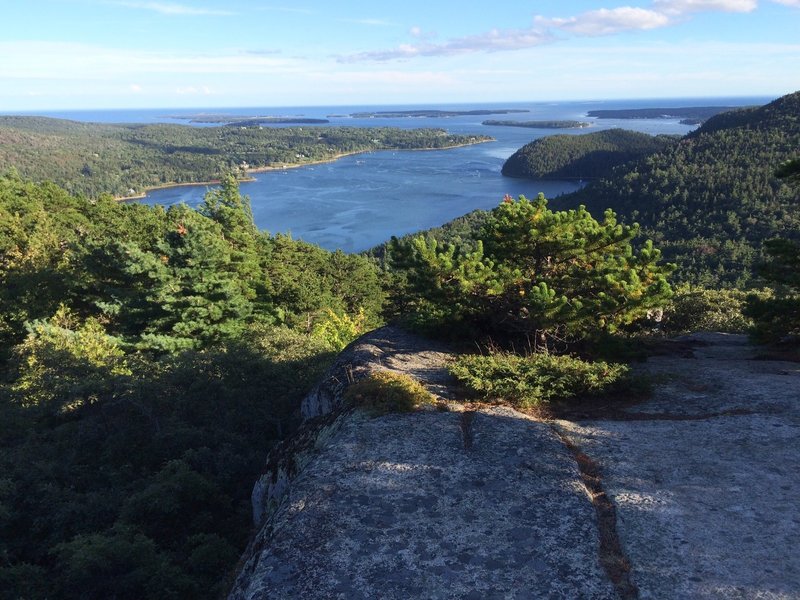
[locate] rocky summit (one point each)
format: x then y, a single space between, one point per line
690 494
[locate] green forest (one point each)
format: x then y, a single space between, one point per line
125 160
709 200
582 156
151 357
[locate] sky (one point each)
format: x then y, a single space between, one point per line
88 54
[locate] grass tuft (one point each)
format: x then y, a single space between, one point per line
384 392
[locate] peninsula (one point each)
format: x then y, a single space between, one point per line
127 160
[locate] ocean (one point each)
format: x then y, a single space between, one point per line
360 201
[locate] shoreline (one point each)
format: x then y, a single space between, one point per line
268 168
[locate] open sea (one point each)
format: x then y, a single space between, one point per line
360 201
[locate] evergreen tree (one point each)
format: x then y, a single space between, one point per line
537 274
194 285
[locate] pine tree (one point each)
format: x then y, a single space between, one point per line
537 274
195 285
226 206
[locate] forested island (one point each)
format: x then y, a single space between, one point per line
695 113
399 114
582 156
126 160
540 124
242 120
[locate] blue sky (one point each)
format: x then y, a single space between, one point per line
72 54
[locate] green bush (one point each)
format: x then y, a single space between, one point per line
528 381
693 309
387 392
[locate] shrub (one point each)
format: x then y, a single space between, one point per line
693 309
385 392
64 364
528 381
338 330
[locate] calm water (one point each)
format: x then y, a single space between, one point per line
360 201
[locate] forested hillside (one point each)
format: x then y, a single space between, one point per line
123 160
711 200
150 358
582 156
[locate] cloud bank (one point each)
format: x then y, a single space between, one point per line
600 22
492 41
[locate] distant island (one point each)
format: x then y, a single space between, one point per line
540 124
399 114
245 120
697 114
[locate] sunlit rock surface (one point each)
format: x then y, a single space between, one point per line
484 502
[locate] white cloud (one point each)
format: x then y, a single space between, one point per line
135 88
603 21
683 7
607 21
491 41
793 3
420 34
168 8
64 60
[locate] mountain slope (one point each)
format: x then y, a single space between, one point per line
712 199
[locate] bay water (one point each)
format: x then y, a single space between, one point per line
361 200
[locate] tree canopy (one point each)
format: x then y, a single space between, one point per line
535 273
711 200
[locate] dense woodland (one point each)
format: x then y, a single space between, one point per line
700 113
711 200
123 160
582 156
708 200
563 124
151 357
